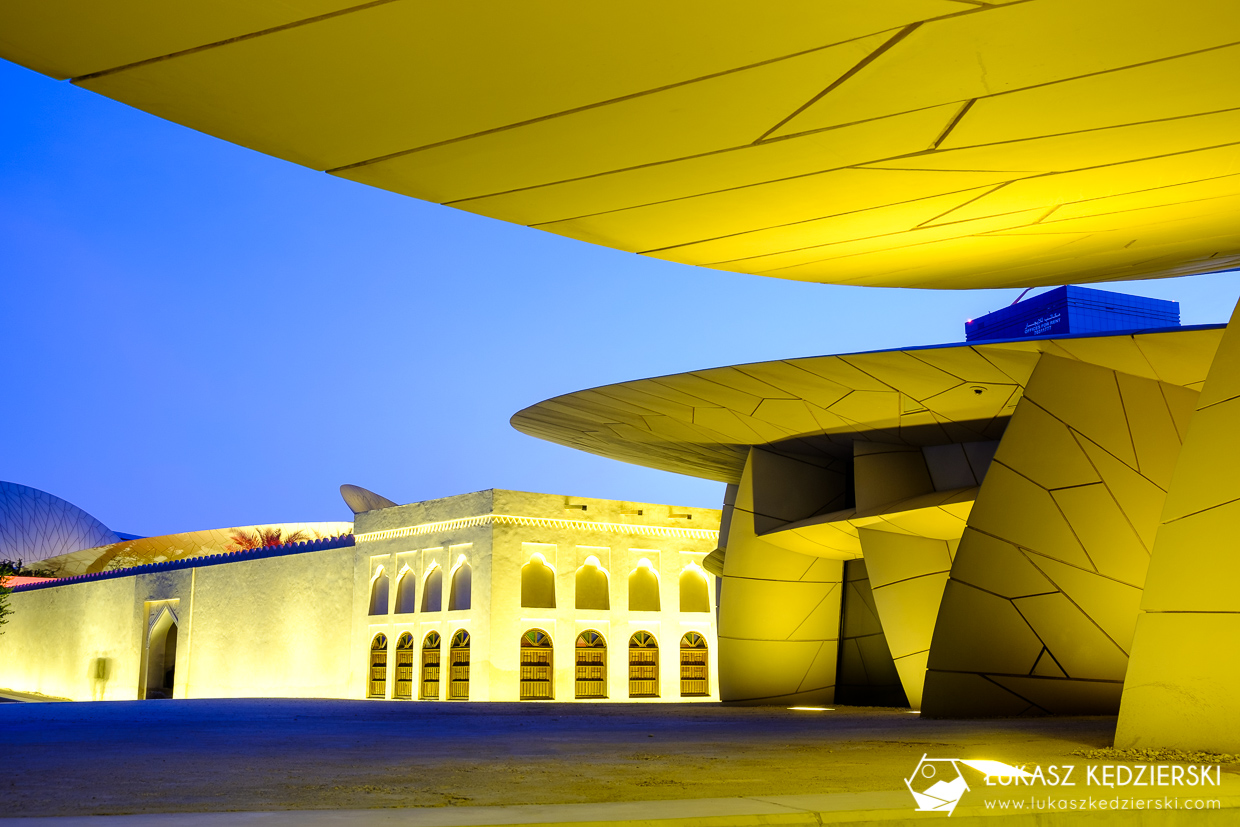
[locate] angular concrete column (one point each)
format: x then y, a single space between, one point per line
908 562
867 673
779 611
907 576
1039 613
1183 685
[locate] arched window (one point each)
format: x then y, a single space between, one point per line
536 664
644 588
462 579
379 592
430 668
378 667
432 590
403 690
537 584
591 591
643 666
693 665
458 688
694 593
591 665
406 591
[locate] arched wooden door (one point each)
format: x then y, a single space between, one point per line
694 678
643 666
591 653
458 686
403 690
378 667
536 666
430 667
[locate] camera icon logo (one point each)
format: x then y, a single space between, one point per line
937 784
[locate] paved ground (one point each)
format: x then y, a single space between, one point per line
8 696
230 755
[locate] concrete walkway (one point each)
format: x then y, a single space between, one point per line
890 808
9 696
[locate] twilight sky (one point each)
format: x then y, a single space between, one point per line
198 336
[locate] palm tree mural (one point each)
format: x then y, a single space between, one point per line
267 536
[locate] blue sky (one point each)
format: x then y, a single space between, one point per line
199 336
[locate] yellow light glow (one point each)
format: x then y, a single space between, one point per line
539 522
541 558
997 769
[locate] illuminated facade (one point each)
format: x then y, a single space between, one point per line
533 596
928 143
497 595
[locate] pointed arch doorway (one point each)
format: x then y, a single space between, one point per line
160 657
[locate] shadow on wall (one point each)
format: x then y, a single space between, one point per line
100 673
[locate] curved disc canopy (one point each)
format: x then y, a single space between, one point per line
361 499
703 423
914 143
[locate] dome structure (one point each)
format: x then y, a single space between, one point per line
35 525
